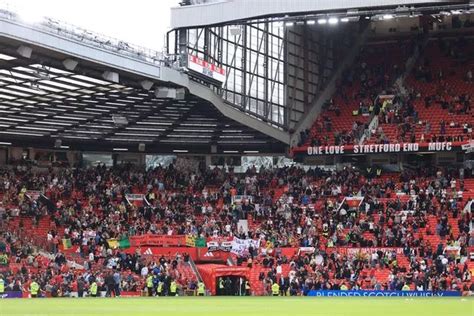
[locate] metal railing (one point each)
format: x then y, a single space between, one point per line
87 37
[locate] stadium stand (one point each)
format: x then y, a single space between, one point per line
317 234
360 220
346 115
438 105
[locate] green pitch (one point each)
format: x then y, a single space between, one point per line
247 306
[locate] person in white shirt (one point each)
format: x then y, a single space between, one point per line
279 269
144 271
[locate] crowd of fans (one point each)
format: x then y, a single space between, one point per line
444 93
361 84
403 111
392 223
113 272
88 206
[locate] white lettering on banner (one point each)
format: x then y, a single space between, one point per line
439 146
325 150
134 197
354 251
210 70
212 246
377 148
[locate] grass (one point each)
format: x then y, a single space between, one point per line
248 306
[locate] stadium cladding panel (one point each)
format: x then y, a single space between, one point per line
305 157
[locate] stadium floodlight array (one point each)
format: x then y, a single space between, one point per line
378 14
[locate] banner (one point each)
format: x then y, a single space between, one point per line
212 246
165 251
383 293
33 194
452 250
367 251
203 67
134 197
241 246
226 246
306 250
238 199
215 256
354 201
73 249
67 243
113 243
200 242
380 148
158 240
124 243
190 241
12 294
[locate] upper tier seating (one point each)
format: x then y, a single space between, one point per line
439 105
343 119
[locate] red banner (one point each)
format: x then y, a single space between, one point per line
197 254
158 240
203 255
163 251
353 251
73 249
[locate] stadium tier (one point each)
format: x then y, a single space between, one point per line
373 73
305 230
310 149
438 104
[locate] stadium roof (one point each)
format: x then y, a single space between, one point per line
215 12
41 102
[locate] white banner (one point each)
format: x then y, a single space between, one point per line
241 246
226 246
212 246
203 67
134 197
33 194
238 199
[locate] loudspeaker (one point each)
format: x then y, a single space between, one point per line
146 84
235 30
111 76
58 143
163 92
24 51
213 149
70 64
141 147
180 94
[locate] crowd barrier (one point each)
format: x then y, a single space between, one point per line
19 294
384 293
12 294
